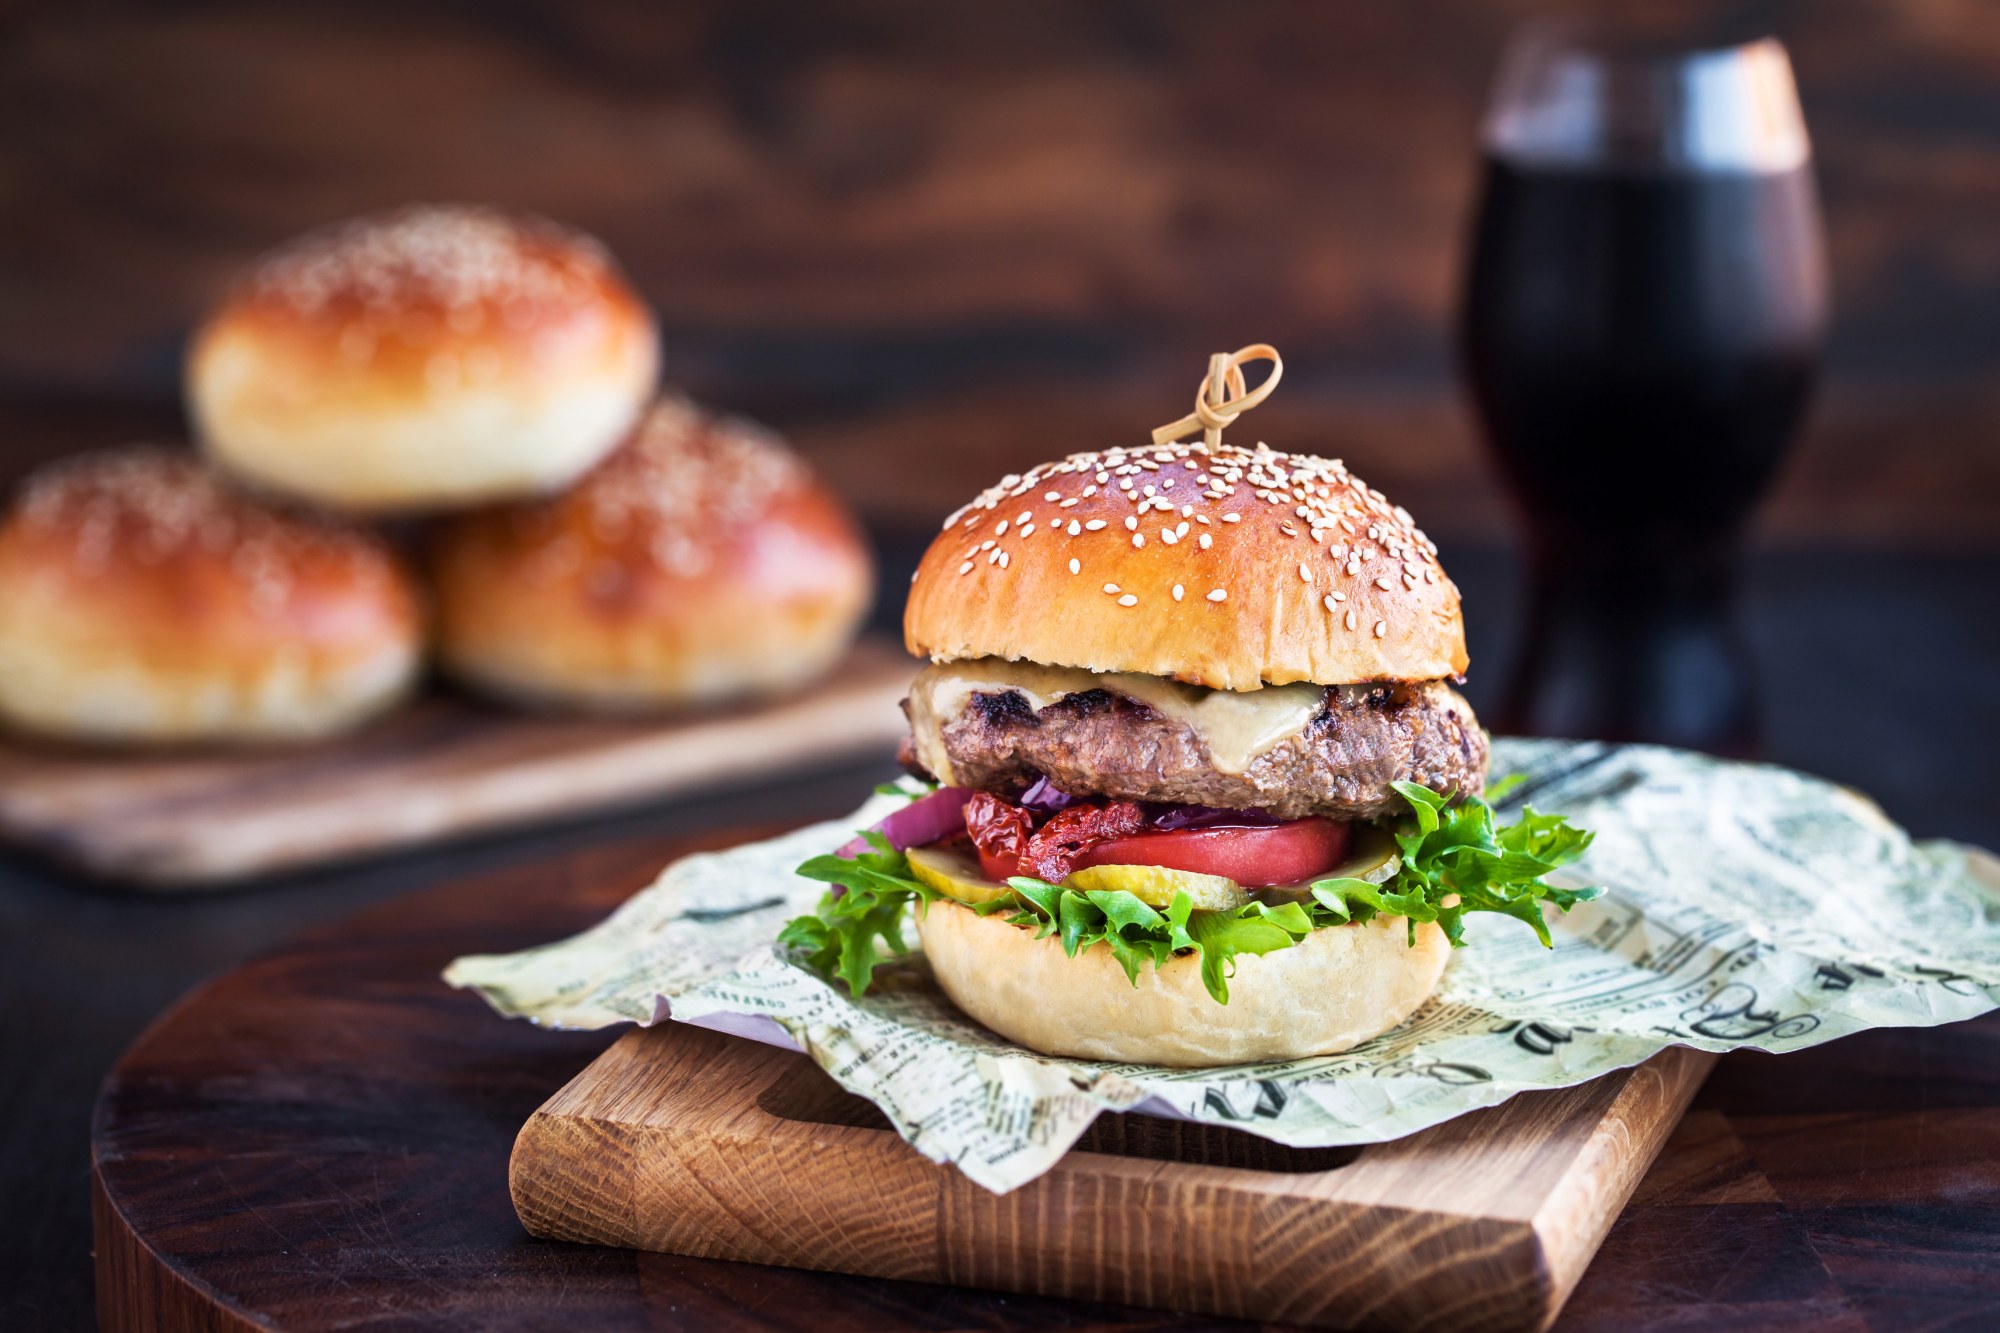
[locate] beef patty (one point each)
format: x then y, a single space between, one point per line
1099 743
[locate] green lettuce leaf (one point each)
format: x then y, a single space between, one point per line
1456 858
875 890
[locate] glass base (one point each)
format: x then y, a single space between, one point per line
1634 658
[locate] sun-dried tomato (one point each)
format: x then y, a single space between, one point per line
999 828
1052 851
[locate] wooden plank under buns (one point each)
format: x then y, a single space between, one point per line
443 767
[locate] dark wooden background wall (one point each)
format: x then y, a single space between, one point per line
936 240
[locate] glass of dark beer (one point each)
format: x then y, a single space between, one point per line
1642 318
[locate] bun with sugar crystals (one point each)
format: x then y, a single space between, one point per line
701 561
429 357
143 599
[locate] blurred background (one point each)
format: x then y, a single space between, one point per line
933 242
937 242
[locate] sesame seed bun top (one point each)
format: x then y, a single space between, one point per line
429 357
702 560
1220 566
142 598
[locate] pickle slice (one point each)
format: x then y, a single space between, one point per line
955 874
1156 886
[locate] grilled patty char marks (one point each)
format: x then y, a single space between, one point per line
1341 765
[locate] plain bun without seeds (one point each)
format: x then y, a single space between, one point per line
428 357
1335 989
1226 567
143 599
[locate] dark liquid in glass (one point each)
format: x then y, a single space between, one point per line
1640 346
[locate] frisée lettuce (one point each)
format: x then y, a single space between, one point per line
1456 857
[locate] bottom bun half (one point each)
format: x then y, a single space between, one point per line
1332 991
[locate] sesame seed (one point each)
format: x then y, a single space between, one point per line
1352 620
1111 588
1169 536
1384 584
1074 528
1027 530
1128 599
1095 524
1003 560
1327 601
1217 595
1178 590
1131 523
1000 529
1068 504
987 545
1075 566
1206 541
1232 518
994 557
1026 514
1052 496
1381 628
1138 540
965 568
1305 574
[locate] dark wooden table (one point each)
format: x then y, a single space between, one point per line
1856 1183
320 1138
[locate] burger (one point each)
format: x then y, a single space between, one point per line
1194 785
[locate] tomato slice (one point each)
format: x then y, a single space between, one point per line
1288 853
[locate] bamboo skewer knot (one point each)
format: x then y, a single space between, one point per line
1223 395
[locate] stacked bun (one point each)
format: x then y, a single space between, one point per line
144 599
449 361
701 561
433 356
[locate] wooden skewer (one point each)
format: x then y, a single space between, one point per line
1223 395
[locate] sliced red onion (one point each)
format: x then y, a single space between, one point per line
1045 798
924 820
1168 818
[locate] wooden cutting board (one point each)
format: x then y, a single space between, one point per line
446 766
689 1142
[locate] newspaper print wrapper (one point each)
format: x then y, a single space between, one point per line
1746 907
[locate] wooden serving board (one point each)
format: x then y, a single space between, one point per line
689 1142
445 766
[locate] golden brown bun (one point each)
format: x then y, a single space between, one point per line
1330 992
427 357
702 560
143 599
1232 570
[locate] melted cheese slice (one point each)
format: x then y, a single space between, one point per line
1237 726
